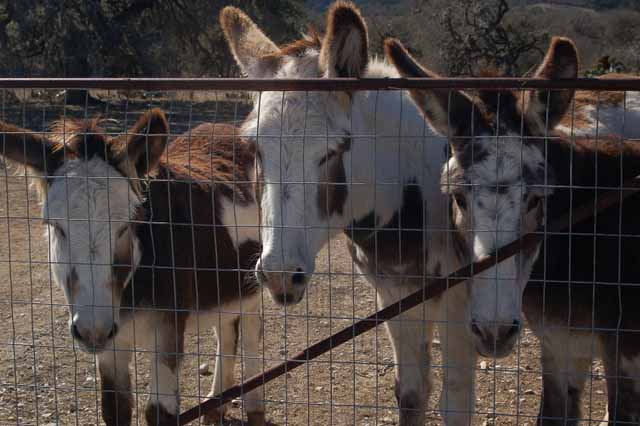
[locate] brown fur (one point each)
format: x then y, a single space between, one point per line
213 154
546 108
189 261
26 148
333 190
560 61
117 403
447 103
449 110
598 299
398 242
245 39
577 117
312 40
342 19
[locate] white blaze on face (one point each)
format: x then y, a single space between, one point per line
294 133
88 208
496 292
495 207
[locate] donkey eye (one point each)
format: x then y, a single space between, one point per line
121 231
461 201
534 200
327 157
60 232
57 230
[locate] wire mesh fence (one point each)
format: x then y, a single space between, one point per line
175 228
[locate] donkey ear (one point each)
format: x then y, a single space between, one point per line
345 48
546 107
256 55
449 111
146 143
27 148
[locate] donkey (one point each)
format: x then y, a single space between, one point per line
595 114
368 165
598 116
147 238
572 309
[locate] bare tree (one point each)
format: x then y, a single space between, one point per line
479 35
79 38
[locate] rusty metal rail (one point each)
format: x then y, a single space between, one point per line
317 84
436 287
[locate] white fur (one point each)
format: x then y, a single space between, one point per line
299 128
605 119
241 221
90 202
143 332
164 386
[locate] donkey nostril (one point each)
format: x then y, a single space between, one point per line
298 277
476 330
113 332
261 276
75 333
515 328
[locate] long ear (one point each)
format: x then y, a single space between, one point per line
345 48
145 144
27 148
256 55
546 107
450 112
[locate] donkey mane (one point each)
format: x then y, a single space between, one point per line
312 39
65 129
212 155
83 138
602 161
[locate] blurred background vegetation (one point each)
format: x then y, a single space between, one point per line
181 38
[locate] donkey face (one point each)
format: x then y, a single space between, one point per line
301 140
91 194
496 177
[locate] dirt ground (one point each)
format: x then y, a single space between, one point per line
45 380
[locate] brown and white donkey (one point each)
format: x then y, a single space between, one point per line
147 238
582 296
365 163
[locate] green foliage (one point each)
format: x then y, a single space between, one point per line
128 37
606 65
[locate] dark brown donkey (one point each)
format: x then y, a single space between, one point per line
584 289
582 300
146 238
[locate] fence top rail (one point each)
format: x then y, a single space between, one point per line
317 84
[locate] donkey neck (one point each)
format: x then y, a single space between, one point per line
604 161
400 217
392 147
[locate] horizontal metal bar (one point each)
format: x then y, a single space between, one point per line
317 84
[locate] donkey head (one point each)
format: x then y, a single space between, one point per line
495 176
90 189
301 140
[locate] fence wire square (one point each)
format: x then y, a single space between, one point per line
199 219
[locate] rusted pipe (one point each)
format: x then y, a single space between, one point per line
317 84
